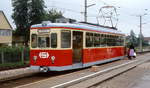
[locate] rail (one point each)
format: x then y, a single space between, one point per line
98 77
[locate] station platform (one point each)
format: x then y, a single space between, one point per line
15 73
144 79
141 75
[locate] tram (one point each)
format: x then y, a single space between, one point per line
66 46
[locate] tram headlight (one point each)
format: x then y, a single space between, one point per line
34 58
53 59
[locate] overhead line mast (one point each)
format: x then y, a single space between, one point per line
85 12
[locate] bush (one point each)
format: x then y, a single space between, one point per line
13 54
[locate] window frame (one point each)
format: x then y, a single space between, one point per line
44 36
55 40
69 41
36 41
89 36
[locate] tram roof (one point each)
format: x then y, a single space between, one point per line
85 26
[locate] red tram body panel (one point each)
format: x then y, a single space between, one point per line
51 56
60 56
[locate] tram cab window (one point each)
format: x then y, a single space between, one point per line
53 40
43 42
34 41
65 39
89 40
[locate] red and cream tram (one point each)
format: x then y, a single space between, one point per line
65 46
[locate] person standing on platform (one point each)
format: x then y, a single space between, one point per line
131 52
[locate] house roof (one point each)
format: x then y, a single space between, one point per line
4 23
147 38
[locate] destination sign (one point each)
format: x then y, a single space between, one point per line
44 30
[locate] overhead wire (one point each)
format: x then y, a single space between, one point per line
71 10
66 9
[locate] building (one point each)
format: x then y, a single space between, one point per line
65 20
147 39
5 30
18 40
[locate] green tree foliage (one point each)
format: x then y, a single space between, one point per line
133 38
29 12
53 14
144 42
37 12
20 16
25 14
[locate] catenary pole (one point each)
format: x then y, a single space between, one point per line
85 11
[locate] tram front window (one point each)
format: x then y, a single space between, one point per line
43 42
34 41
53 40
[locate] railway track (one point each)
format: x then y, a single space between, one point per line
42 76
37 77
90 79
98 77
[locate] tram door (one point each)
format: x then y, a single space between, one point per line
77 46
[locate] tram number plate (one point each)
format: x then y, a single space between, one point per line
43 54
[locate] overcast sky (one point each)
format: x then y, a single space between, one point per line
128 11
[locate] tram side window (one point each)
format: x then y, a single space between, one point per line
96 40
118 41
122 41
43 42
103 40
65 39
53 40
113 40
33 40
89 40
108 40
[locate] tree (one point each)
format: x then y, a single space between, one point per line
53 14
27 13
37 12
133 39
20 15
144 43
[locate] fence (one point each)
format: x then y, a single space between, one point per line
14 55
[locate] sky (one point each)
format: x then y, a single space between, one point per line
128 12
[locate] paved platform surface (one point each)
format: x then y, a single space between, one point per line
49 82
138 77
52 81
15 72
144 81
